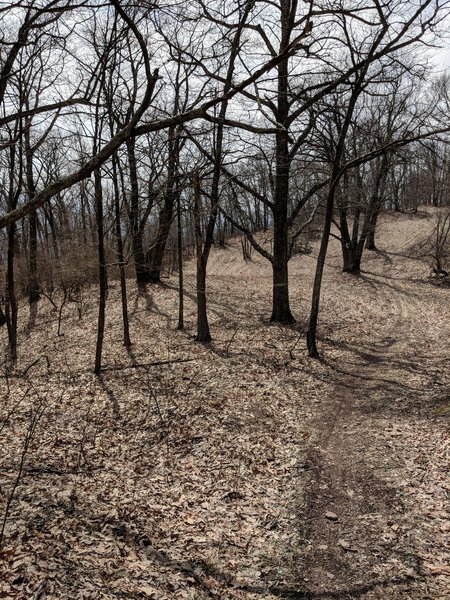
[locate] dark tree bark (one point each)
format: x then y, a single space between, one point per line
281 312
370 242
348 243
180 266
311 336
367 238
137 233
121 257
102 273
156 254
85 213
50 218
336 175
364 236
11 306
204 246
33 286
33 282
203 333
3 319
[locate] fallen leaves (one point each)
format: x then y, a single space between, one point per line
183 479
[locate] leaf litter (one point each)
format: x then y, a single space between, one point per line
211 477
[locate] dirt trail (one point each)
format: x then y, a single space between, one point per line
360 534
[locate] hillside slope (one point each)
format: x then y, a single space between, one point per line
241 469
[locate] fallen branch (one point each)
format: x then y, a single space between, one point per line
185 567
146 365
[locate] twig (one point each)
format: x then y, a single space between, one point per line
34 419
6 375
231 341
299 337
63 303
34 362
8 416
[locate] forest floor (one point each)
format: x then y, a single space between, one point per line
241 469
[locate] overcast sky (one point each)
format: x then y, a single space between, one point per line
442 57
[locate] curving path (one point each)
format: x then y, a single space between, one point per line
368 525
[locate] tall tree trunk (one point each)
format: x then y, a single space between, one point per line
265 218
137 239
281 312
347 244
102 273
203 333
83 202
311 336
11 306
376 202
370 242
203 249
356 220
372 211
180 265
156 254
33 286
3 319
48 211
121 257
33 281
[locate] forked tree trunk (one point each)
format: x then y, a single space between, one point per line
370 241
137 234
349 245
370 224
367 227
156 254
48 211
351 260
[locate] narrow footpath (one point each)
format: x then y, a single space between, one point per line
374 521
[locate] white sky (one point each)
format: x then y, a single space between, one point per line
442 57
